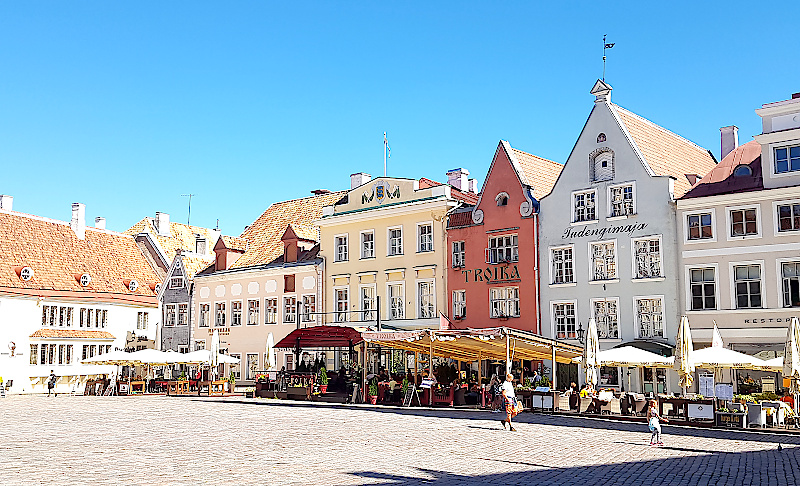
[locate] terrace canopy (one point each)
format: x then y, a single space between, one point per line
321 337
632 357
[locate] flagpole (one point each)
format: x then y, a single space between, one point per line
385 143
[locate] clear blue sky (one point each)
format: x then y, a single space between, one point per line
126 106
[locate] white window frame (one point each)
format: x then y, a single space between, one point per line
593 310
402 285
178 322
247 364
552 266
389 241
459 304
505 302
634 267
458 258
367 316
776 220
224 314
596 219
258 312
336 255
773 147
610 211
241 313
198 343
729 221
418 306
361 244
208 319
638 333
685 215
346 312
553 329
514 248
170 315
307 315
284 314
688 286
590 247
419 237
277 314
176 282
779 271
732 282
236 368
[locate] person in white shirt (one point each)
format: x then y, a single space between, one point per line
510 399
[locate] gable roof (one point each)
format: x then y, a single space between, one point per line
463 196
665 153
263 237
721 179
57 256
534 171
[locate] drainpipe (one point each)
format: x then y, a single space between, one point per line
536 273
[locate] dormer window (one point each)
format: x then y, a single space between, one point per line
502 199
601 166
787 159
742 170
200 245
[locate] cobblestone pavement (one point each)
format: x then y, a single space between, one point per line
163 440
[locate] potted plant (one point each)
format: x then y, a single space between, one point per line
373 391
323 380
231 382
404 386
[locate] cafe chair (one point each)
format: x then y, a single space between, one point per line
584 403
778 415
612 407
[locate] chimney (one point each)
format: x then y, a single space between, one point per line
795 96
78 222
458 178
359 179
473 186
729 140
100 222
6 202
162 224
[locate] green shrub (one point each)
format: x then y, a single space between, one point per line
323 376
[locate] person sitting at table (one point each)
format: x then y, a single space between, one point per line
573 396
149 383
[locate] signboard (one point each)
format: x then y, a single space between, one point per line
731 420
723 391
700 411
600 233
706 384
411 392
767 385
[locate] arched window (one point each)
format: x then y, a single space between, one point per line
502 199
742 170
601 165
601 138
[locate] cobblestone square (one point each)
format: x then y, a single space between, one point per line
163 440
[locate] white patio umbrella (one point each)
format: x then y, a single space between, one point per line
272 362
716 338
154 357
590 351
119 358
774 364
683 355
214 351
632 357
715 358
791 358
204 356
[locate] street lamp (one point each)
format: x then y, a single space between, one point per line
581 333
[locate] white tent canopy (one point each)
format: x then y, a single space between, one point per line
712 358
203 356
155 357
631 357
119 358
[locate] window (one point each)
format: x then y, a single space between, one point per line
604 261
458 254
395 241
502 199
271 315
700 226
176 282
61 354
252 365
368 244
309 307
69 353
183 314
199 345
288 283
367 302
65 316
583 207
602 166
289 309
742 170
748 286
252 312
787 159
51 353
504 302
49 315
743 222
459 304
425 237
621 200
234 368
236 313
141 319
102 318
396 301
650 317
219 312
426 300
200 245
34 354
340 244
607 318
341 297
171 315
43 353
564 317
562 265
789 217
702 288
791 284
205 315
503 249
647 256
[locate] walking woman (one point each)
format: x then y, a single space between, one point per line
513 407
653 423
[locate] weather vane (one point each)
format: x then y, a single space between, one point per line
605 46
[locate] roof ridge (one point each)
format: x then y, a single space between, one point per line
63 223
656 125
308 197
535 156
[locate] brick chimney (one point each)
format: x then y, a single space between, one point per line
162 224
6 202
473 186
458 178
359 179
728 140
100 222
78 221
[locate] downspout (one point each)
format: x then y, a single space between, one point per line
536 272
446 249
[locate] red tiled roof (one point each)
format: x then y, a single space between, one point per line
463 196
71 334
460 219
721 179
537 172
57 256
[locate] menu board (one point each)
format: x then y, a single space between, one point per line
724 391
411 391
706 385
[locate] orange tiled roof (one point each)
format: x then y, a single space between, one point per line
305 232
234 242
72 334
721 179
463 196
537 172
264 235
56 256
666 153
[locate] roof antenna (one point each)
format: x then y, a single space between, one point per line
605 46
189 217
217 228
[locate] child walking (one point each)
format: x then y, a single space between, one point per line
653 422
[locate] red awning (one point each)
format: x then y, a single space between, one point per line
321 337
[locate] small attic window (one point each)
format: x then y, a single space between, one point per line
26 273
601 138
200 245
742 170
502 199
85 279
